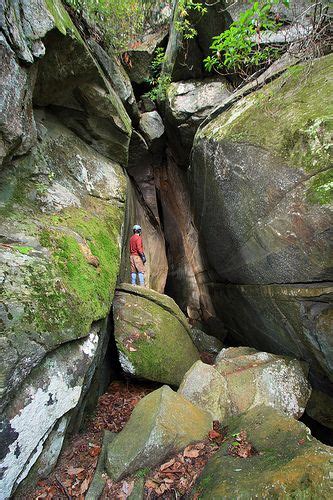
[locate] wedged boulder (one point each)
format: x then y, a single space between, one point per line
141 55
162 423
240 382
152 128
188 103
289 463
152 335
206 388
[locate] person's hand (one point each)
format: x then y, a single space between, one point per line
143 258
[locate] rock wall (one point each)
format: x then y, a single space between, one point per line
65 135
260 182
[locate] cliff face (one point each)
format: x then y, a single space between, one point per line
232 192
62 200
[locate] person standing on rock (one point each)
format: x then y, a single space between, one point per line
137 256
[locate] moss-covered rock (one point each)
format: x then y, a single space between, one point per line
61 214
163 422
290 463
152 335
261 176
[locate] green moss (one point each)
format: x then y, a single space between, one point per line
62 19
89 288
291 116
320 189
163 349
22 249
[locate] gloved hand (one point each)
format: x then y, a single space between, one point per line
143 258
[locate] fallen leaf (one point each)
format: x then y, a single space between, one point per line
191 453
167 464
94 451
74 471
85 485
213 434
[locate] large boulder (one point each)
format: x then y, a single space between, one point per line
188 103
162 423
260 183
242 379
62 207
140 56
46 396
205 387
289 463
152 335
266 165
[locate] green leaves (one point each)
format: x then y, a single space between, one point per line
239 49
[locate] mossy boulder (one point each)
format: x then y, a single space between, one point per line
162 423
266 164
61 212
290 463
152 335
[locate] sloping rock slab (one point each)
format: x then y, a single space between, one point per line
163 422
152 335
240 382
290 463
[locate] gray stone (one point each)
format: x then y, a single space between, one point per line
47 395
116 74
188 104
71 80
238 383
17 126
151 126
162 423
262 378
265 196
142 55
205 387
204 342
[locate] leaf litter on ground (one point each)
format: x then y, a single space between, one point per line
75 469
171 480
